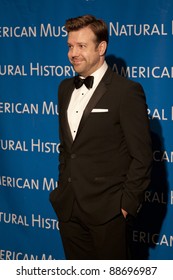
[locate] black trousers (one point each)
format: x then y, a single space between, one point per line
82 241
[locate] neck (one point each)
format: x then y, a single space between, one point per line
93 70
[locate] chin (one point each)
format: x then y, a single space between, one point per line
77 70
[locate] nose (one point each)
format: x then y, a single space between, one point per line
74 52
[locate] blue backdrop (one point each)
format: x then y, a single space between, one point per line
33 61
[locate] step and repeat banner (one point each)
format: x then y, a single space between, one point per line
33 61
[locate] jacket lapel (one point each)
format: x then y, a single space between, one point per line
66 127
99 92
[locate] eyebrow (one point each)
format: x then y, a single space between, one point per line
78 43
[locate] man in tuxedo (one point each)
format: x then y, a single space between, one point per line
105 151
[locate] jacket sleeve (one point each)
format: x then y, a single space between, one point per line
61 149
135 124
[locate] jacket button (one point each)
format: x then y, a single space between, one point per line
69 179
73 156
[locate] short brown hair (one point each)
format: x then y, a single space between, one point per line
98 26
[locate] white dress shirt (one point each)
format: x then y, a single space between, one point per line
80 98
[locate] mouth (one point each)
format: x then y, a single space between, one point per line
76 63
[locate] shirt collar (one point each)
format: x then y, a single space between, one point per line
99 73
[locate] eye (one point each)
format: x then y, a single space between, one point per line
82 46
70 46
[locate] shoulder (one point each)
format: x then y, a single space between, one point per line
124 89
66 83
65 86
124 86
125 83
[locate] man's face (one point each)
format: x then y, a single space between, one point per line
84 53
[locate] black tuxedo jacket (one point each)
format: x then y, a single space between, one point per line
107 167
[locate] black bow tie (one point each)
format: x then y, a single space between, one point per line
88 82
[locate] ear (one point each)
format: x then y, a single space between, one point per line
102 48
